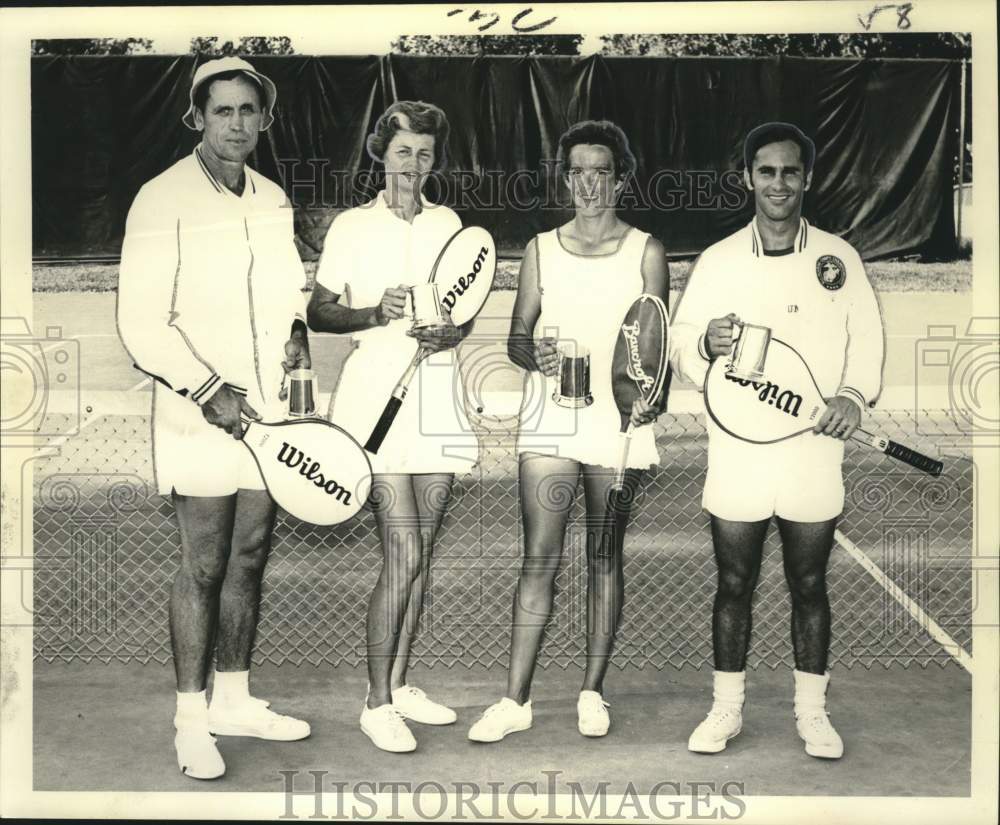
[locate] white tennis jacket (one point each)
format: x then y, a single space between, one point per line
815 297
210 283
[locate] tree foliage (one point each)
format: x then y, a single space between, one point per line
483 44
256 45
92 45
860 45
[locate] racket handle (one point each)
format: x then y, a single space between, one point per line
619 482
900 452
382 427
245 422
395 402
922 462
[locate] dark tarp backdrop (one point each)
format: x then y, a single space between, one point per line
886 133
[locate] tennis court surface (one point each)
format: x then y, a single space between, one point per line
902 594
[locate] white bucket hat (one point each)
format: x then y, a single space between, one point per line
212 68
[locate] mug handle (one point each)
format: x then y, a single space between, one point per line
737 332
408 306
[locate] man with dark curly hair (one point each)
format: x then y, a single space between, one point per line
810 288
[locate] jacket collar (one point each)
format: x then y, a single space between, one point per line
218 185
757 245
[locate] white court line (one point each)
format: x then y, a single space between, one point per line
59 342
94 335
953 648
58 441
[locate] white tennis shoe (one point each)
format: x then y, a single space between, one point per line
412 703
821 739
252 717
711 736
592 714
499 719
197 755
386 728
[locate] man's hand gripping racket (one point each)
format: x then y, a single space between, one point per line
785 403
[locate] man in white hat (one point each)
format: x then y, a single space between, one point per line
210 304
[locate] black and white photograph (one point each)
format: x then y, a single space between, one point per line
582 412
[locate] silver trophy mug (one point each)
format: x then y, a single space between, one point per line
426 306
749 352
302 393
574 377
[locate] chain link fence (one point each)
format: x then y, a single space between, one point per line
106 549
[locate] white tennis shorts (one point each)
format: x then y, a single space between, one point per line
196 458
799 479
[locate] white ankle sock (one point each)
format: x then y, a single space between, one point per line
810 692
728 690
231 687
192 709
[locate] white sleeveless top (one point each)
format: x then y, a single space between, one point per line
584 299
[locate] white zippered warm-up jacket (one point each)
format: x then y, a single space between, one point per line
817 298
210 283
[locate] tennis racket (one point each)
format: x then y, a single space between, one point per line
639 367
313 469
464 272
785 404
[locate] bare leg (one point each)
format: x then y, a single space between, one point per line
396 515
739 546
206 527
605 577
547 490
432 492
240 600
806 550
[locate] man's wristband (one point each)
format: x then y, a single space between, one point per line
853 395
703 348
207 390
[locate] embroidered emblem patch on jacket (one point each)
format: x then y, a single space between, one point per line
830 271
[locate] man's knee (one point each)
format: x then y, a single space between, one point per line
808 588
250 549
206 565
735 583
206 535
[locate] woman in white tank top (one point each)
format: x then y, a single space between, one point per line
576 284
